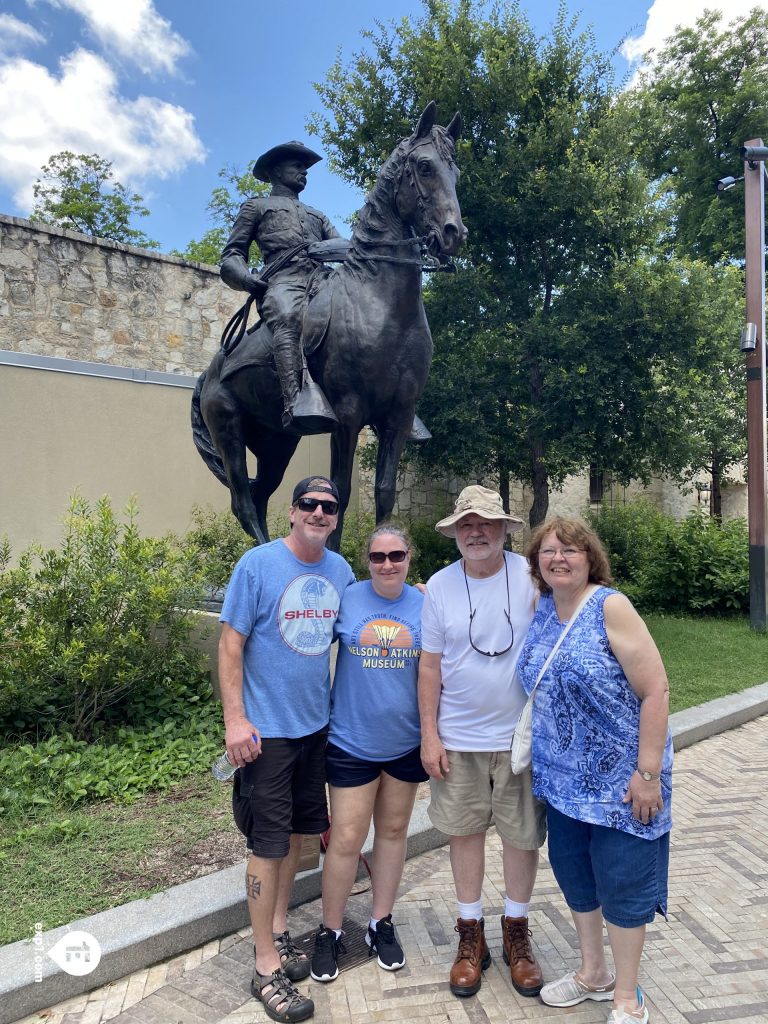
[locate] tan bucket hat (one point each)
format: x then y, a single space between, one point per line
483 502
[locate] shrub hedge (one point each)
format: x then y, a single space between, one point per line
694 565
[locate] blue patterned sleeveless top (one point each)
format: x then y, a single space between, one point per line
586 722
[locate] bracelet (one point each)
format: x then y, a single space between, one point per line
648 776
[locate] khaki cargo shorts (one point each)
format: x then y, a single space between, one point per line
481 790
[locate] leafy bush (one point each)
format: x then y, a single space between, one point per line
700 566
63 771
630 533
433 550
215 544
94 629
695 565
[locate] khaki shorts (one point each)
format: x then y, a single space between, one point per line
481 790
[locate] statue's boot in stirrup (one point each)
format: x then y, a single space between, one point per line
306 410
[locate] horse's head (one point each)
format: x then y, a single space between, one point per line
426 192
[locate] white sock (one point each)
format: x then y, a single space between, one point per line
336 931
372 923
512 909
471 911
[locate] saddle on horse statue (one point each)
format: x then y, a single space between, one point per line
244 348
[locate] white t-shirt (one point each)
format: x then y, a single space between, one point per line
481 697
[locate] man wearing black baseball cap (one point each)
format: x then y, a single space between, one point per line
274 671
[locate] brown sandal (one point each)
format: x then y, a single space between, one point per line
280 992
293 962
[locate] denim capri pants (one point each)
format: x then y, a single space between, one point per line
595 866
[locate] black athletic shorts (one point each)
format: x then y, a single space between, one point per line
345 770
282 793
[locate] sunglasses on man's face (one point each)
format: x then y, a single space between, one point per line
330 508
380 557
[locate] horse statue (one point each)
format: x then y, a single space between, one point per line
366 340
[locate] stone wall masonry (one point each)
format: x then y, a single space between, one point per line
72 296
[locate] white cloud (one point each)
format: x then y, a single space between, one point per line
132 29
80 109
665 16
15 34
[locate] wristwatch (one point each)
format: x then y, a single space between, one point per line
648 776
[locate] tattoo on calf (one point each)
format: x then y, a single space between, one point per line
252 886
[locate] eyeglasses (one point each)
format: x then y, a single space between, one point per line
565 552
380 557
330 508
472 613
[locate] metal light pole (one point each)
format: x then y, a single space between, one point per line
755 154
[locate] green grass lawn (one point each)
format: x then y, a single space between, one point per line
707 658
68 863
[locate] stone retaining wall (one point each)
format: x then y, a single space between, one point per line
72 296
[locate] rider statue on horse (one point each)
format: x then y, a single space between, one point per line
279 223
284 228
336 350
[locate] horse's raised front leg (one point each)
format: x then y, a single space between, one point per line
391 444
343 444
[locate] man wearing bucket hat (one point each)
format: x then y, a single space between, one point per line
475 617
281 225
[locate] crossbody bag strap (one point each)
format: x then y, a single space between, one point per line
591 588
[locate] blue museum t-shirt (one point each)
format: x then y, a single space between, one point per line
374 705
286 608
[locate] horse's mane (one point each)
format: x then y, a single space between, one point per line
378 209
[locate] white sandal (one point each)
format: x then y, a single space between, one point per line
570 990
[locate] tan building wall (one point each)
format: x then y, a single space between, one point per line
73 311
120 437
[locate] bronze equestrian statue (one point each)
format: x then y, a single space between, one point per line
366 342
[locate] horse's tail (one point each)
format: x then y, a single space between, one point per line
201 435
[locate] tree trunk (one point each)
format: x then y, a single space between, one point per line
504 482
715 495
540 504
539 477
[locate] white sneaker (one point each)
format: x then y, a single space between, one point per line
638 1016
570 990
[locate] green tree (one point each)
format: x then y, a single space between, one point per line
79 193
222 208
554 203
702 97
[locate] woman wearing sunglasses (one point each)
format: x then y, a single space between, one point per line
373 759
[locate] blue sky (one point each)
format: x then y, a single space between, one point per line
173 90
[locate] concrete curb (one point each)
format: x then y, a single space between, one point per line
146 931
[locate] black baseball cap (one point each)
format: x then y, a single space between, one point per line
315 483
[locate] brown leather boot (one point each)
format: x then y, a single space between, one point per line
518 953
472 957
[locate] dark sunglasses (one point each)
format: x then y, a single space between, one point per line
330 508
380 557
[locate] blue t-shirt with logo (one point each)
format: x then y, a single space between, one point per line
374 705
287 609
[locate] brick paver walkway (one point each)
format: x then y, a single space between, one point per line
709 963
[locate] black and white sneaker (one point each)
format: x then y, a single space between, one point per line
383 941
324 959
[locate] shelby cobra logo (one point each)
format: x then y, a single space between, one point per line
308 609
